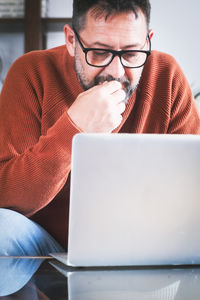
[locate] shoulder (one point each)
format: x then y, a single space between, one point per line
161 56
40 57
35 71
163 67
35 68
162 61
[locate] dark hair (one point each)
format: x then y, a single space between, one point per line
107 7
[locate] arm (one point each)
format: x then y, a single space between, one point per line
33 166
37 128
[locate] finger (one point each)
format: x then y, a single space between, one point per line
111 86
118 121
121 107
118 96
106 88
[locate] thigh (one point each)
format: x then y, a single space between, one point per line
21 236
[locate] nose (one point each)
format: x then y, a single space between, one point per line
115 68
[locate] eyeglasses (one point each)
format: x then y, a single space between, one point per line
98 57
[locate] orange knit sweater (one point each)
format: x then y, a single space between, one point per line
36 132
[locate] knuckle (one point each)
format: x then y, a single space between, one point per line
101 93
107 105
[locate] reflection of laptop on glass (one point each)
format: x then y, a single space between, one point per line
135 200
117 284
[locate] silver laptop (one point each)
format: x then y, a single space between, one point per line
135 200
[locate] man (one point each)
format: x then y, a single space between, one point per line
105 79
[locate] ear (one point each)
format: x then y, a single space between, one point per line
151 33
69 39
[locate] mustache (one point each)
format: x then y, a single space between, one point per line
100 79
126 84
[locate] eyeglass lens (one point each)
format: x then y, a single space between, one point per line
128 59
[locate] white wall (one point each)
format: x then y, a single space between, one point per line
60 8
176 24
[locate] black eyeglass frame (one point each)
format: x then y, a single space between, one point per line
114 53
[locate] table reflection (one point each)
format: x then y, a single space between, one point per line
34 279
127 284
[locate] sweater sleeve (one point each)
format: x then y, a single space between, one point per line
33 167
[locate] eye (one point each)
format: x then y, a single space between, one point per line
130 55
99 53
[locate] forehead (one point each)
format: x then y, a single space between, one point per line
123 28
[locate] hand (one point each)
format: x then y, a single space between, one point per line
99 109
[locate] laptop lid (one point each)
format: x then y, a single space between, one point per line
135 200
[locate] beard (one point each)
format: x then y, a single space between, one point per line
128 87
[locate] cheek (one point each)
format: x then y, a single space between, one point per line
92 72
83 68
134 74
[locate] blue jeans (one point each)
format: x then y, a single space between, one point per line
20 236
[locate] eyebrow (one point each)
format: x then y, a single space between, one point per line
106 46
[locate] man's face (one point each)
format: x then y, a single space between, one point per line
119 32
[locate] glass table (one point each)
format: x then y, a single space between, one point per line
45 278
